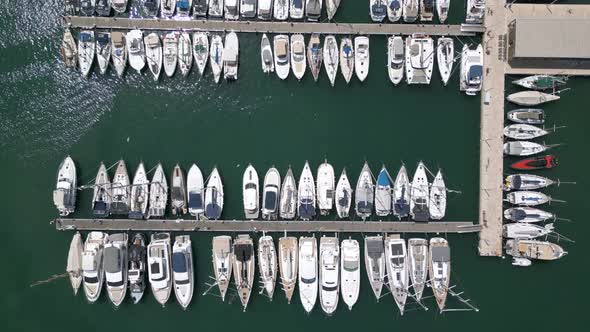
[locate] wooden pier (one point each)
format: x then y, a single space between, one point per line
188 225
89 22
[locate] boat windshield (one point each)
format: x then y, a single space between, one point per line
350 266
307 280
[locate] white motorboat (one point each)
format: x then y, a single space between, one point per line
121 190
410 10
119 49
231 57
331 57
308 272
426 10
331 8
250 192
343 196
158 262
527 214
526 116
394 10
383 191
528 198
214 196
533 249
329 273
397 270
270 194
92 265
183 8
288 264
64 195
248 8
361 57
522 131
439 269
185 53
364 194
158 193
231 9
282 60
281 10
525 230
265 9
442 9
395 59
178 192
195 191
524 148
168 8
313 10
531 98
419 202
267 264
119 6
201 50
136 49
438 197
103 50
139 194
401 194
137 268
418 265
375 263
476 10
306 197
69 49
216 56
377 10
222 262
153 54
183 270
298 61
74 265
346 58
325 188
86 45
115 267
288 200
296 9
244 266
266 56
170 52
527 182
215 8
419 59
315 55
350 272
471 79
445 56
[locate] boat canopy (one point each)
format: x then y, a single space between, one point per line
306 208
364 207
270 202
475 73
85 37
112 260
195 200
344 200
441 254
89 261
243 252
374 249
179 262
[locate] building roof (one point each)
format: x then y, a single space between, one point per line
552 38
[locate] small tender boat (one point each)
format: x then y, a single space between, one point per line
298 61
121 190
442 9
394 10
361 57
395 59
383 193
331 8
185 53
115 267
471 78
375 263
313 10
542 82
158 193
308 272
201 50
418 265
410 10
182 270
266 56
230 57
87 7
325 188
92 265
426 10
153 54
214 196
103 50
244 266
531 98
150 8
528 198
314 55
524 131
137 268
445 56
526 182
265 9
267 264
329 273
195 191
397 270
343 196
350 272
231 9
216 56
330 57
158 262
282 60
527 116
346 58
438 197
401 194
178 192
363 194
475 11
523 148
136 49
296 9
377 10
288 264
183 8
419 203
168 7
74 265
200 8
281 10
119 6
439 269
542 162
119 55
222 262
69 50
527 214
101 199
533 249
306 194
525 231
288 202
216 8
170 52
86 51
419 59
250 192
270 194
248 8
139 194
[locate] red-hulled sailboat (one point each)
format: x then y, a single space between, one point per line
542 162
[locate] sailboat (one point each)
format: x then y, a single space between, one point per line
267 264
86 46
394 10
158 193
288 200
270 194
214 196
395 59
419 203
383 192
159 271
121 190
201 50
222 262
419 59
527 214
266 56
185 53
330 57
306 194
170 53
139 194
195 191
137 268
418 265
350 272
331 8
119 55
325 188
183 270
361 57
439 269
542 82
528 198
525 231
92 265
103 51
69 50
401 194
343 196
442 9
527 116
445 56
410 10
438 197
329 273
115 267
308 272
314 55
298 61
250 192
524 148
526 182
282 59
377 10
346 58
364 195
522 131
288 264
136 49
281 10
375 263
216 56
471 78
531 98
230 57
178 192
153 54
244 265
397 270
101 198
74 265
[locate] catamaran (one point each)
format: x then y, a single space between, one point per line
471 78
115 267
158 193
101 199
397 270
350 272
526 182
308 272
314 55
244 265
214 196
137 268
361 57
439 269
288 201
330 57
121 190
230 57
419 202
442 9
183 270
69 50
136 49
195 191
394 10
158 262
216 56
201 50
363 194
139 194
92 265
288 264
401 194
270 194
438 197
395 59
445 56
418 265
343 196
178 192
119 55
313 10
325 188
74 265
331 8
185 53
153 54
298 61
525 231
86 46
377 10
170 53
346 58
250 192
383 193
419 59
531 98
103 50
329 273
265 9
222 262
282 60
266 56
375 263
267 264
527 214
306 194
410 10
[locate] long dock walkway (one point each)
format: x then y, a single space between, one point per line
264 26
187 225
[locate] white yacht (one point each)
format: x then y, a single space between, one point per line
158 262
298 61
346 58
64 195
214 196
216 8
248 8
136 49
526 231
74 265
329 273
288 201
375 263
121 190
426 10
419 59
410 10
471 70
183 270
158 193
119 52
270 194
185 53
222 262
361 57
419 202
195 191
476 10
153 54
364 193
418 265
288 264
343 196
250 192
201 50
265 9
442 9
401 194
86 45
313 10
267 264
282 59
438 197
394 10
306 194
314 55
101 199
244 266
397 270
137 268
325 188
230 57
266 56
115 267
331 8
231 9
139 194
281 10
445 56
69 49
170 52
439 269
395 59
377 10
350 272
103 50
331 57
168 7
296 9
216 56
308 272
178 192
92 265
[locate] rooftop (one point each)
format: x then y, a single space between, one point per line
551 37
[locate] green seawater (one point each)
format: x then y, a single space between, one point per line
47 112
